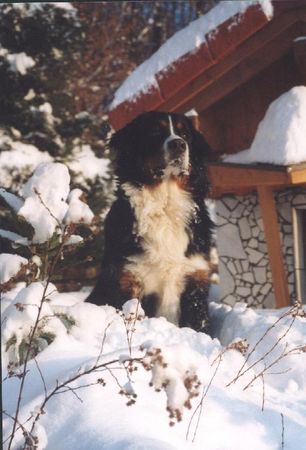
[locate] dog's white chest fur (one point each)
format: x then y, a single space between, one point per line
162 217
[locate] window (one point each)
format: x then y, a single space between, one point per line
299 235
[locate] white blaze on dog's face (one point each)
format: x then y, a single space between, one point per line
176 152
153 147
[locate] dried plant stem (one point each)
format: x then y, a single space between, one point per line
283 432
242 371
284 354
199 408
31 338
64 386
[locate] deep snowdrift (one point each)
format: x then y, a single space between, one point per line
96 416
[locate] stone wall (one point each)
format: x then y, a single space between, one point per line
244 268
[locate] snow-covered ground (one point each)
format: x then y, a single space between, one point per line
268 414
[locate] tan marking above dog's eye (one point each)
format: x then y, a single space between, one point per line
163 123
179 125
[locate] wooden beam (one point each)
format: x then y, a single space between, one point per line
299 49
231 177
279 276
297 176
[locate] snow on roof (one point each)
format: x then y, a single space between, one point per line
181 43
281 135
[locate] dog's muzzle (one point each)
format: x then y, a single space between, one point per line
176 148
177 154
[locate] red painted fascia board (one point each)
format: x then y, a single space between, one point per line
183 70
228 35
129 109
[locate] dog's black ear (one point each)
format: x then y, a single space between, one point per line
124 150
121 139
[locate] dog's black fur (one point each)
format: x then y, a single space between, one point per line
147 158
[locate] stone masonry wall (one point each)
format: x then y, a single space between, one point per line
244 268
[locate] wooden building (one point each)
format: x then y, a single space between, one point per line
230 79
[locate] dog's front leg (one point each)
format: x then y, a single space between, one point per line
194 306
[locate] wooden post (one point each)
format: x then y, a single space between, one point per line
269 215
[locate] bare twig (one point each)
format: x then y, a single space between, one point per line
41 376
47 208
283 432
263 392
284 354
103 342
32 335
64 386
199 408
242 371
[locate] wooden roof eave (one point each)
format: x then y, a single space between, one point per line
232 178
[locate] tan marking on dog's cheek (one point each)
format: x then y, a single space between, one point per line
130 285
199 276
182 182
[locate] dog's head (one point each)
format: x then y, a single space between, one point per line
157 145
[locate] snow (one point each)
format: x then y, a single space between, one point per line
19 158
85 164
64 5
19 62
132 310
173 357
78 211
21 315
10 199
281 135
48 203
10 266
16 238
45 195
184 41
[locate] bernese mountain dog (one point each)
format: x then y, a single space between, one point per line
158 230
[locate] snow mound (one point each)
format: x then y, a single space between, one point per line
120 410
21 314
48 204
20 157
85 164
132 310
45 195
78 211
281 135
10 265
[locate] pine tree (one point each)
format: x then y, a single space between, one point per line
40 49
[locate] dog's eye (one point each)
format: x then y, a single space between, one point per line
184 134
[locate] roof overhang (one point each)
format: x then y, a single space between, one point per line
229 178
237 49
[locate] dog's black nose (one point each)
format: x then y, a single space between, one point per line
177 146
